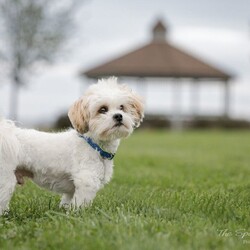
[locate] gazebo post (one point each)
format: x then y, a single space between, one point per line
194 98
143 87
176 122
226 99
85 85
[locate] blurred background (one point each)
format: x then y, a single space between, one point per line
189 60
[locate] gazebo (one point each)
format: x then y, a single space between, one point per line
160 59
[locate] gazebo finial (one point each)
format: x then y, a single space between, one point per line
159 32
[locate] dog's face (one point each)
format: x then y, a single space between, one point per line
108 111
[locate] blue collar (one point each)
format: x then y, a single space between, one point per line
103 154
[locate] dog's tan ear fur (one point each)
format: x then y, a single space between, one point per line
137 109
79 116
136 105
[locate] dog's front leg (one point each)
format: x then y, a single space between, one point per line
66 200
86 186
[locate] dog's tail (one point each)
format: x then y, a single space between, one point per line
9 144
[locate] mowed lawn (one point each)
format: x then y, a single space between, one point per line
188 190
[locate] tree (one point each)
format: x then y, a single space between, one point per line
32 31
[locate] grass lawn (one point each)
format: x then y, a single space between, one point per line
169 191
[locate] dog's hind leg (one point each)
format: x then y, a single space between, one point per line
7 187
9 152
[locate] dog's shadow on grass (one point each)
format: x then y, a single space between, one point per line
33 203
36 210
40 204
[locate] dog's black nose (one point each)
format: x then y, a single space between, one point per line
117 117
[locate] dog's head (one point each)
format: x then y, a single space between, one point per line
107 111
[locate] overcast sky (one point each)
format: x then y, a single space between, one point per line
216 31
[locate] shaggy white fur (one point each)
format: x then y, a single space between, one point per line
64 162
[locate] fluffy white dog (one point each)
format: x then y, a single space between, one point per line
75 163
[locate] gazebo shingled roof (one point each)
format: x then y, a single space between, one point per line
158 59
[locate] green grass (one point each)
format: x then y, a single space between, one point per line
169 191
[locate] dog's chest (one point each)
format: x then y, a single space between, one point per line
107 171
60 183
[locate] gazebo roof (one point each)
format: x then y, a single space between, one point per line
157 59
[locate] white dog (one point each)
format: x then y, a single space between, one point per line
75 163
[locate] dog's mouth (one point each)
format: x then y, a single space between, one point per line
118 124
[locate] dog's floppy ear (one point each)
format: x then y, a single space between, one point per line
137 109
79 116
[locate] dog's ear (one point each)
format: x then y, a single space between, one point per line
79 116
137 109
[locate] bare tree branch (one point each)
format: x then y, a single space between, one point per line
32 31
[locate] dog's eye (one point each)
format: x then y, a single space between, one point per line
121 107
103 110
